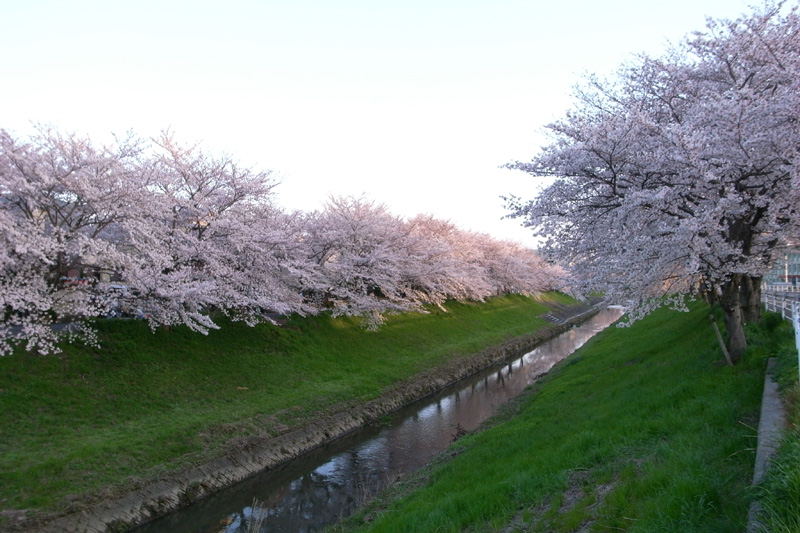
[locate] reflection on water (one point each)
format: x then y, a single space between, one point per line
327 484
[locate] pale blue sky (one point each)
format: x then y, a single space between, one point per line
413 103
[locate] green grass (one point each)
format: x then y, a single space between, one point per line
89 423
779 492
644 429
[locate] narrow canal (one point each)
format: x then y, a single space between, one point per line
329 483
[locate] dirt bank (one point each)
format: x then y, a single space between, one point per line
178 490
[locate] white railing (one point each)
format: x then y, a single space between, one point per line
780 302
781 287
787 303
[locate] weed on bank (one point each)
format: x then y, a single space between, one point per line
779 492
643 429
90 424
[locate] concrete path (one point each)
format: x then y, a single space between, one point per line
770 425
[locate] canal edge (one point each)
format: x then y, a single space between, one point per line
184 488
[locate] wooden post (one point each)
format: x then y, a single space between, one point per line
721 341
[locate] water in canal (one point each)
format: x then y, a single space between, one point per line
329 483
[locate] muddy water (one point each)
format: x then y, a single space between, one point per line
329 483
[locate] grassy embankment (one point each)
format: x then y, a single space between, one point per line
780 491
91 423
643 429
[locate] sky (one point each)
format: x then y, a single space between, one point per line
414 104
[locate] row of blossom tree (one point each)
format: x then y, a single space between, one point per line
173 234
678 174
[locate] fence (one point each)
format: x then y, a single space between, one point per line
787 303
782 287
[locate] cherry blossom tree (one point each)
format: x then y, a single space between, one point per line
450 263
514 269
167 232
184 234
206 242
445 264
678 175
357 246
61 202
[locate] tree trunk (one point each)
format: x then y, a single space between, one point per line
708 293
751 299
732 308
